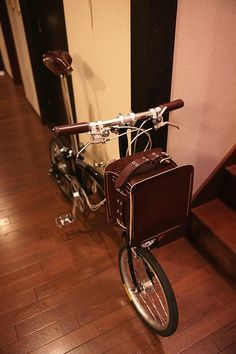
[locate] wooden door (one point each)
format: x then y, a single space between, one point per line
45 30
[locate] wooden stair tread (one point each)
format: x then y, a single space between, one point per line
231 169
221 219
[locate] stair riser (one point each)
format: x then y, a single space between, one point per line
228 190
214 247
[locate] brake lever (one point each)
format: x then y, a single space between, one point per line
157 118
161 124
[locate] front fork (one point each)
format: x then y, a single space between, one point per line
131 264
130 260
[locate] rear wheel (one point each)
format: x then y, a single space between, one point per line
153 298
86 184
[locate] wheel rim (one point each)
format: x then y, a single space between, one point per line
150 301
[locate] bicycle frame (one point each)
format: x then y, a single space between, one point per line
145 282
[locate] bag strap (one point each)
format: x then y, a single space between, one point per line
149 157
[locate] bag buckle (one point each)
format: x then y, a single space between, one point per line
166 157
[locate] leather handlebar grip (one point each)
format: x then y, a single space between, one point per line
78 128
173 105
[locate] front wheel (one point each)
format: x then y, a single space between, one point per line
153 298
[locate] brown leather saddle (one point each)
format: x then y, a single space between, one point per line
58 61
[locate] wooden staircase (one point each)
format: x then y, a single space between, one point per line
213 217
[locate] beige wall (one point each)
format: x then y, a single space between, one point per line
99 42
4 54
204 75
22 52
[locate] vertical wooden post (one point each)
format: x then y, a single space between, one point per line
152 46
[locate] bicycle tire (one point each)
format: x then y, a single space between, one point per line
143 301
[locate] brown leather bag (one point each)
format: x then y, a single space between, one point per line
148 194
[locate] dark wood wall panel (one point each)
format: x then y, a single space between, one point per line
152 46
45 30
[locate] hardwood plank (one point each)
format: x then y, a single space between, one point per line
205 346
69 341
61 289
199 330
19 275
208 297
48 317
4 221
141 343
14 253
25 284
7 336
179 259
29 311
111 339
43 336
229 350
26 261
225 336
34 213
55 268
98 262
84 299
17 301
102 307
21 197
50 303
115 318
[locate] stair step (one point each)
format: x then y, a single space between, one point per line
228 190
231 169
214 228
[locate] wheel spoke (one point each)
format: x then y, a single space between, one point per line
161 303
154 295
144 281
157 319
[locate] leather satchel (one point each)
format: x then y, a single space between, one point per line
148 194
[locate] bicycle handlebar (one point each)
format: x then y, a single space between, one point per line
85 127
171 106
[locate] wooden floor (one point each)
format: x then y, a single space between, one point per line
60 289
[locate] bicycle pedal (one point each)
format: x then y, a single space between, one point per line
64 220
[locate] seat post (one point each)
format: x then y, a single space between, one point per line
70 117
